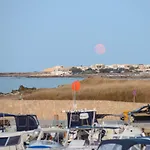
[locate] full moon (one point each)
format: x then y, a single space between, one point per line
100 49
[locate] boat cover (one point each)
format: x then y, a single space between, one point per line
122 144
6 115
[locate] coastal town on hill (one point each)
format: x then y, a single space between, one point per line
119 70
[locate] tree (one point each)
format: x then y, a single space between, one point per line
106 70
76 70
90 71
131 68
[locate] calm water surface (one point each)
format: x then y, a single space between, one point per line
7 84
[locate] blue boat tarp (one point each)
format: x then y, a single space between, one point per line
7 115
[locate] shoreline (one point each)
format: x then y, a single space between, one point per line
42 76
102 75
91 88
38 75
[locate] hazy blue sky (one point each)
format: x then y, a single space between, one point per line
37 34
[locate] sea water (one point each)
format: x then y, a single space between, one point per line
7 84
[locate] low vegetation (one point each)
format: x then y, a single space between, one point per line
96 88
89 70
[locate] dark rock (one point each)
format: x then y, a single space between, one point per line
21 88
14 91
26 89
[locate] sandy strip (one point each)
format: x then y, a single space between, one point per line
45 109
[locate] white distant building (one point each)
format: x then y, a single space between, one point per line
109 66
58 71
61 73
97 66
83 68
55 68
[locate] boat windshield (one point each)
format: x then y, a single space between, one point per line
3 141
9 141
110 147
119 147
138 147
48 142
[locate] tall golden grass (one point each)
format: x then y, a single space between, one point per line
97 88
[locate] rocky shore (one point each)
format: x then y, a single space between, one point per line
35 75
17 94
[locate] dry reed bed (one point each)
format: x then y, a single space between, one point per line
96 88
45 109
